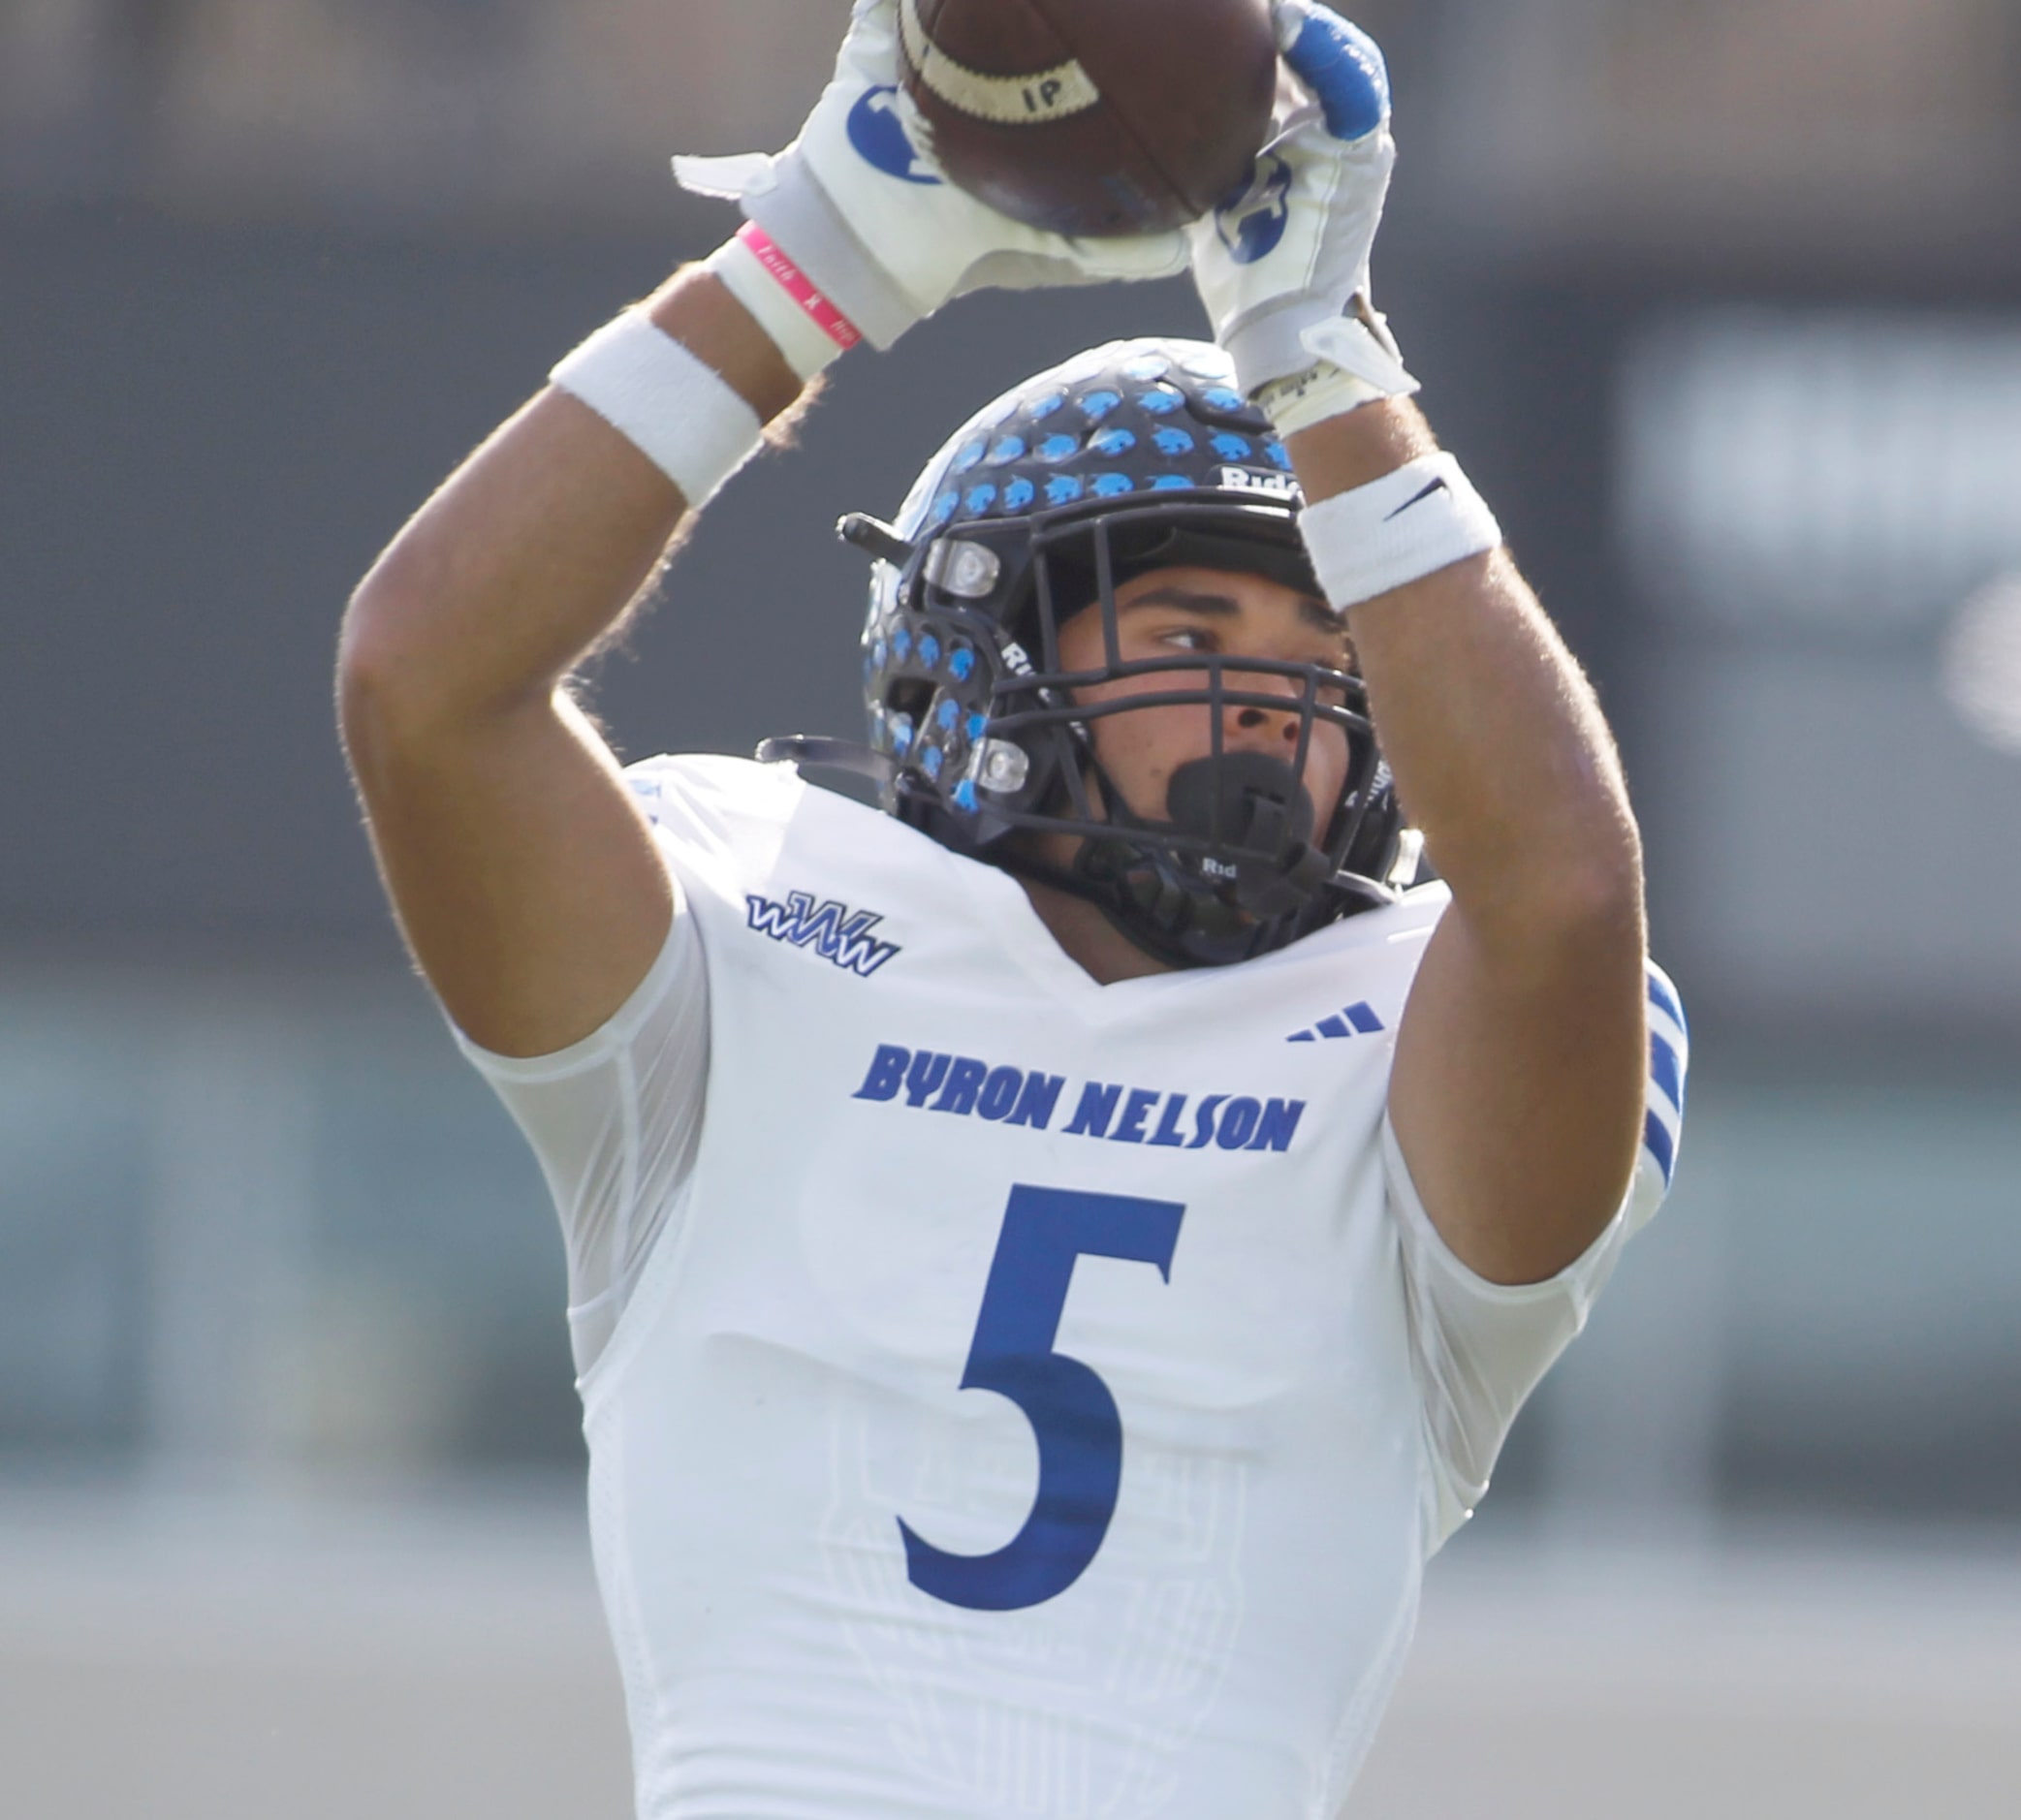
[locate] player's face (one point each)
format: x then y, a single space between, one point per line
1192 612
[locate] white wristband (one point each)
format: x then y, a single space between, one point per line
677 411
804 344
1411 524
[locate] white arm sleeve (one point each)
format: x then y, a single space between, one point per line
615 1122
1479 1348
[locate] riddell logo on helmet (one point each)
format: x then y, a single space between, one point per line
1259 481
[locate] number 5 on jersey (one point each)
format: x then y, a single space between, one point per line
1072 1413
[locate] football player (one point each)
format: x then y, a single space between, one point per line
1050 1260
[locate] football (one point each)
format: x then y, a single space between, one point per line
1093 117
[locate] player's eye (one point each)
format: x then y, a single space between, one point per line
1188 639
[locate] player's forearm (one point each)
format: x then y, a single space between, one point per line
532 551
1497 745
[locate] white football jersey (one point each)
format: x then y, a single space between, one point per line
1008 1395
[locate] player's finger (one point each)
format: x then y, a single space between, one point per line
1339 62
1128 256
871 50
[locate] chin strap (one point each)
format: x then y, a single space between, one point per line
1206 911
1135 890
1185 911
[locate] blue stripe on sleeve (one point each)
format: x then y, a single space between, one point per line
1664 1071
1661 996
1657 1140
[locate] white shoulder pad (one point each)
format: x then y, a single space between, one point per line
707 797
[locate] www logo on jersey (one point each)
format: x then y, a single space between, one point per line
831 929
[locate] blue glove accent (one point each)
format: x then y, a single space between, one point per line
1341 65
878 134
1251 223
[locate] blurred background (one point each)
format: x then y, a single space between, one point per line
1719 301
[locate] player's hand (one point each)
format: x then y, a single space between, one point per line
1284 266
858 202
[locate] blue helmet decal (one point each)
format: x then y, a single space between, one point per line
1252 224
1156 412
878 134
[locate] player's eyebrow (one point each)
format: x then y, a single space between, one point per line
1209 606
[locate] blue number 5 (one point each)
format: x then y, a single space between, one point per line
1073 1416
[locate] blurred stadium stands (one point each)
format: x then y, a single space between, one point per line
1721 299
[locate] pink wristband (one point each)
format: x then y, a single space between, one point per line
830 321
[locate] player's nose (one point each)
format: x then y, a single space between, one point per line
1251 725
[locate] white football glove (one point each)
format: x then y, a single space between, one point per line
859 203
1283 268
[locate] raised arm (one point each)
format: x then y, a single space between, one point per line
1518 1088
525 881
